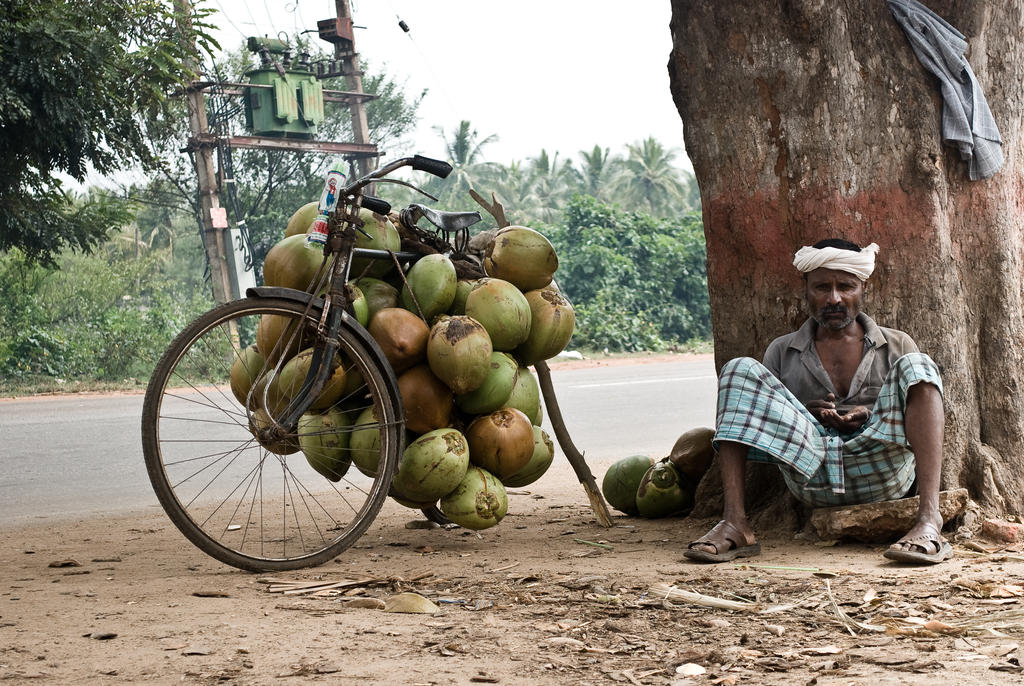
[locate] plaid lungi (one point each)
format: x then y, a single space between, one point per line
822 467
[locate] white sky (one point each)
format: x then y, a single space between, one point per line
562 75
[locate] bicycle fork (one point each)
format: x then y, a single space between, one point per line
341 242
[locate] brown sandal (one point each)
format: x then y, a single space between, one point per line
933 549
729 544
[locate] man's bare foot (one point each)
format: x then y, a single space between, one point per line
923 544
726 541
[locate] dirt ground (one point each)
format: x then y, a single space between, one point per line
546 597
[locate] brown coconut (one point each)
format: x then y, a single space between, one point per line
401 335
293 376
426 399
693 452
279 337
245 370
501 442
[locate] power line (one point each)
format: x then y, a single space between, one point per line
404 27
249 12
298 22
227 18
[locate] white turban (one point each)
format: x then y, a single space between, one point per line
860 264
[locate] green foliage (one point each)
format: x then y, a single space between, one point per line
636 282
647 179
464 149
90 317
537 189
79 84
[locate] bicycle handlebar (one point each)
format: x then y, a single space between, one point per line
377 205
418 162
438 168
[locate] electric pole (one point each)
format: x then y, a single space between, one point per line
213 216
354 82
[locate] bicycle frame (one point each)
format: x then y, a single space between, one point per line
341 240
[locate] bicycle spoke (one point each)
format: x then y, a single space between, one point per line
216 479
241 500
229 455
284 515
255 469
210 483
295 513
211 404
219 455
258 488
301 487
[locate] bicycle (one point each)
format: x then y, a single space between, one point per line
223 451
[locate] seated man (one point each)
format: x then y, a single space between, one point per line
850 411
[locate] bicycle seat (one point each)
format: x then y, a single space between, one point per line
446 221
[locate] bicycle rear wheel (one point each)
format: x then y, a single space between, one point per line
266 506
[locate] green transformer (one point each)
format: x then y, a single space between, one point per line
279 100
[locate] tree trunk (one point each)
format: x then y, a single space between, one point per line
806 120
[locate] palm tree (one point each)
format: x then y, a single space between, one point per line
597 171
514 188
649 179
534 191
464 150
552 185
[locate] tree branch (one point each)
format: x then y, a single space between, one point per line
494 208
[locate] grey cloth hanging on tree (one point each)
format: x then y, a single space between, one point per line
967 120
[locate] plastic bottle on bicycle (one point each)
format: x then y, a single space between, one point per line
317 234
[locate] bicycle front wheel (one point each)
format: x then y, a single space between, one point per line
252 503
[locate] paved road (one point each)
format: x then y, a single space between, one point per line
81 455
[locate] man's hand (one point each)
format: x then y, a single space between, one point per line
848 422
817 407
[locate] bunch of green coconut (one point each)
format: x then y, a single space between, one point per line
640 485
460 347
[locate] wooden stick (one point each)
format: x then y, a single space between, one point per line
574 456
494 208
593 543
667 592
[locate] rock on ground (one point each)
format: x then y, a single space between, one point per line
877 522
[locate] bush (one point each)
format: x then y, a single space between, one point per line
96 319
636 282
33 352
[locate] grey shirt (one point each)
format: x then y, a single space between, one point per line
794 360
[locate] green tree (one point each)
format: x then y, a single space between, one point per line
637 282
539 189
649 179
596 172
464 150
65 107
98 317
513 186
553 184
534 191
